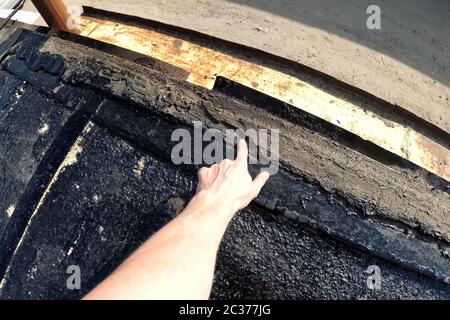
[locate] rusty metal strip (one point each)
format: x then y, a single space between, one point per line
205 65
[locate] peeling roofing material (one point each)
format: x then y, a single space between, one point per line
337 206
351 112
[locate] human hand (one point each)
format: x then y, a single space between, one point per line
229 183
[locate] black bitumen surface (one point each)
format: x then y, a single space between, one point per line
310 243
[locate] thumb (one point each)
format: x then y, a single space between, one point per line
260 181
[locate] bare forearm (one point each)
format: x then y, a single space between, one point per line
177 262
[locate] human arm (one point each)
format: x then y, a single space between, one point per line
178 261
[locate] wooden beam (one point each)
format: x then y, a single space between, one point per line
55 14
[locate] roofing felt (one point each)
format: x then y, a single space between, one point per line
86 177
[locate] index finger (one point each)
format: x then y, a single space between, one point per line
242 153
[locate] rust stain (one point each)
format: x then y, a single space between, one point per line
106 39
436 156
177 43
175 49
283 89
284 86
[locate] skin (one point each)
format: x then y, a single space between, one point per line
178 261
